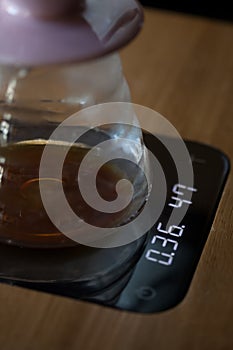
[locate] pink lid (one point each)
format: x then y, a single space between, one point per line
36 32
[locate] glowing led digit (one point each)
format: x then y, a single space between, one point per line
170 258
173 230
165 241
176 187
149 255
178 201
153 256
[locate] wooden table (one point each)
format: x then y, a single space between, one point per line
182 67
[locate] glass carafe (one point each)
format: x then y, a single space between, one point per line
34 100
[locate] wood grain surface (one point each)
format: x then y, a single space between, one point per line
182 67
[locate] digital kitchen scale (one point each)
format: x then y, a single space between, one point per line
152 274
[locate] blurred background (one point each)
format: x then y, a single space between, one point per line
216 9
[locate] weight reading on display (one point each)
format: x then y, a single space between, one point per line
172 252
164 248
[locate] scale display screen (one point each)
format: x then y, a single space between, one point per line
163 274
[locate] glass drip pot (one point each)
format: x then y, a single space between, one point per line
58 59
